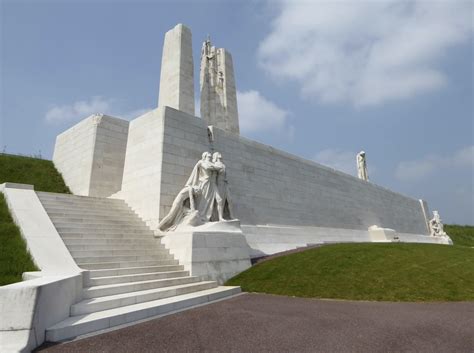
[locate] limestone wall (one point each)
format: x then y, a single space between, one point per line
141 184
273 187
90 155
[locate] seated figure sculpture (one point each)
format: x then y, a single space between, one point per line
204 198
436 225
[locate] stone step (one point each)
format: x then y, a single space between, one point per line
124 258
59 211
120 288
85 241
92 305
125 264
57 196
69 205
143 251
138 277
139 235
98 220
80 325
141 245
65 198
133 270
70 227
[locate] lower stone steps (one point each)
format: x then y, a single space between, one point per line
136 277
123 264
133 270
122 299
132 287
83 324
125 258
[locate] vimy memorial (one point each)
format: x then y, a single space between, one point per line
167 207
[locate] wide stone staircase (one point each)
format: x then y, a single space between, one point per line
130 275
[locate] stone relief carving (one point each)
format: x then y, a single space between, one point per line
204 198
436 225
362 166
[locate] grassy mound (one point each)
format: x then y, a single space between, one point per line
461 235
26 170
14 258
391 272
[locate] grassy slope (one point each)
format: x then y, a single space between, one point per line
461 235
14 258
25 170
393 272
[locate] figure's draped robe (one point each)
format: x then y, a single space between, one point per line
201 183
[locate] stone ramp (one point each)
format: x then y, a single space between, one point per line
129 275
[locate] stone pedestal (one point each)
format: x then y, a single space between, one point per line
382 235
211 252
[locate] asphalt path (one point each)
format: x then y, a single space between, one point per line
269 323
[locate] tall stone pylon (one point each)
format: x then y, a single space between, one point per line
177 70
218 93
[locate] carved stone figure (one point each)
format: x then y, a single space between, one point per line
204 198
436 225
362 166
224 205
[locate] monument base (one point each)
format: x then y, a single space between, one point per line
382 235
209 255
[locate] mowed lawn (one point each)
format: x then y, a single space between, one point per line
461 235
387 272
14 257
26 170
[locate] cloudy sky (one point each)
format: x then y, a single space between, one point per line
320 79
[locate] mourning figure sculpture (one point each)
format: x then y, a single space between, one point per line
204 198
362 172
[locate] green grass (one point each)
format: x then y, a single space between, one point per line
461 235
14 258
26 170
389 272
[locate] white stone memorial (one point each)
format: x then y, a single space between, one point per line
168 206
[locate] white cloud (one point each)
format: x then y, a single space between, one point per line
256 113
364 52
82 109
77 110
419 169
344 161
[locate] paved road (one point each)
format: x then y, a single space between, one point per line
267 323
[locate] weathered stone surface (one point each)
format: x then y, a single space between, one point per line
210 255
218 92
90 155
177 71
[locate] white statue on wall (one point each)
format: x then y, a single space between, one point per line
362 166
204 198
436 225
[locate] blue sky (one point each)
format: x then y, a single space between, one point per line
322 80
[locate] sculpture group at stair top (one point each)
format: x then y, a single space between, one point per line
436 225
204 198
362 166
